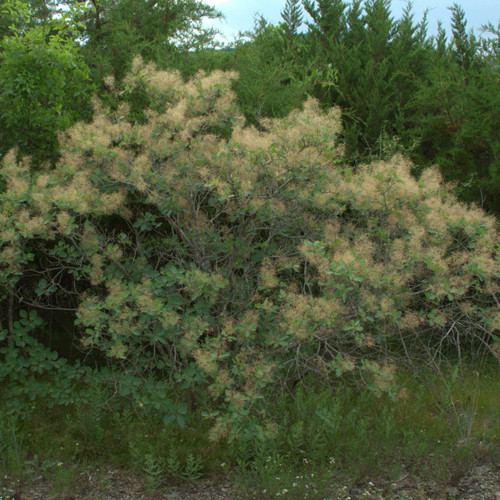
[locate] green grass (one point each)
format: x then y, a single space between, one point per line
436 428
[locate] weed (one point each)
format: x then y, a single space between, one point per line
12 452
174 465
64 480
193 468
153 468
322 439
88 418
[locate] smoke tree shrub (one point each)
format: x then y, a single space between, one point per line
211 264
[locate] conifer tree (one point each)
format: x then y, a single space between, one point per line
272 68
452 114
464 46
292 16
377 61
115 31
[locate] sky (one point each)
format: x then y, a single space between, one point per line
240 14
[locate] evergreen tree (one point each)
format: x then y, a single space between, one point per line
377 60
115 31
464 45
454 114
292 17
273 69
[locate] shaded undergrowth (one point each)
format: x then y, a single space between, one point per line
316 440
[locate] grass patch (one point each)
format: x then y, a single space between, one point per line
319 440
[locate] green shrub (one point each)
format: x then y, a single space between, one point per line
45 86
215 265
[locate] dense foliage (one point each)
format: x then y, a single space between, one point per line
50 52
157 30
399 89
258 245
199 262
45 84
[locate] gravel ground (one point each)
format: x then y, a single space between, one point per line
481 482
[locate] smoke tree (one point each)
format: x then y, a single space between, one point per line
210 264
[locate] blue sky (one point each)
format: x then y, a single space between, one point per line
240 14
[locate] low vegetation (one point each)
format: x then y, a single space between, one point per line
324 442
181 290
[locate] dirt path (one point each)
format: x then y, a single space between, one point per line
482 482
